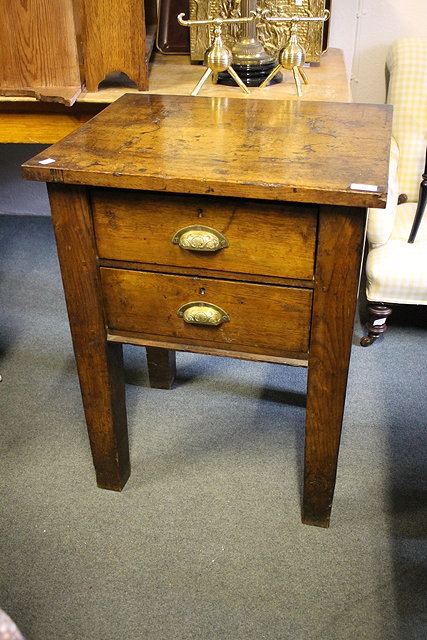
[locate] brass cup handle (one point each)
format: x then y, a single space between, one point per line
203 313
200 238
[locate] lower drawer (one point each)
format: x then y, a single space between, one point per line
254 318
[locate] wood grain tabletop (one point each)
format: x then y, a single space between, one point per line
300 151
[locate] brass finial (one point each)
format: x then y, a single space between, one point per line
217 57
292 56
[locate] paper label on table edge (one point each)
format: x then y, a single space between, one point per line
363 187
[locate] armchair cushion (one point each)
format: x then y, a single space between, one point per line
397 271
407 91
381 221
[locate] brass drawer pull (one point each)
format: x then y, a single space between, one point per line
199 238
203 313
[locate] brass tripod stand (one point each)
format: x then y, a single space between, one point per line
218 57
292 56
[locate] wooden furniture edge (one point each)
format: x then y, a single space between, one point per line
24 119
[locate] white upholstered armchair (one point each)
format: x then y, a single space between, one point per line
396 270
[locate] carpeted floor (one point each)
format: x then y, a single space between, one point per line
205 541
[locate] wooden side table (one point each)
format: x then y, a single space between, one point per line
26 120
218 226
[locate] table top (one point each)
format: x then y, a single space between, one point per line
175 74
27 120
300 151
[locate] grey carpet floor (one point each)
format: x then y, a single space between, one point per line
205 541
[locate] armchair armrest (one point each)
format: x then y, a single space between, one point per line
381 221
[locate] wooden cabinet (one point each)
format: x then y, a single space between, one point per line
285 184
23 120
38 50
50 48
116 36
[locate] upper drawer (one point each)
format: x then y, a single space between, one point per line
263 238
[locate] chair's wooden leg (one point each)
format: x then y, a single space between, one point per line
376 323
422 202
161 367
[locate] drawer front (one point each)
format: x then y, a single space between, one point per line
263 238
254 318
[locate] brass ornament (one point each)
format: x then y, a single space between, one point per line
200 238
293 55
217 57
247 49
203 313
273 37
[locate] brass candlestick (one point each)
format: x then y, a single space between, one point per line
217 57
292 57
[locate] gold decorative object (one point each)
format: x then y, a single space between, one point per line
247 49
203 313
200 238
293 55
217 57
273 37
251 61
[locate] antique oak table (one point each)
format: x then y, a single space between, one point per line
217 226
26 120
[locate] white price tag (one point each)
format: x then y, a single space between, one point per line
47 161
363 187
379 322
